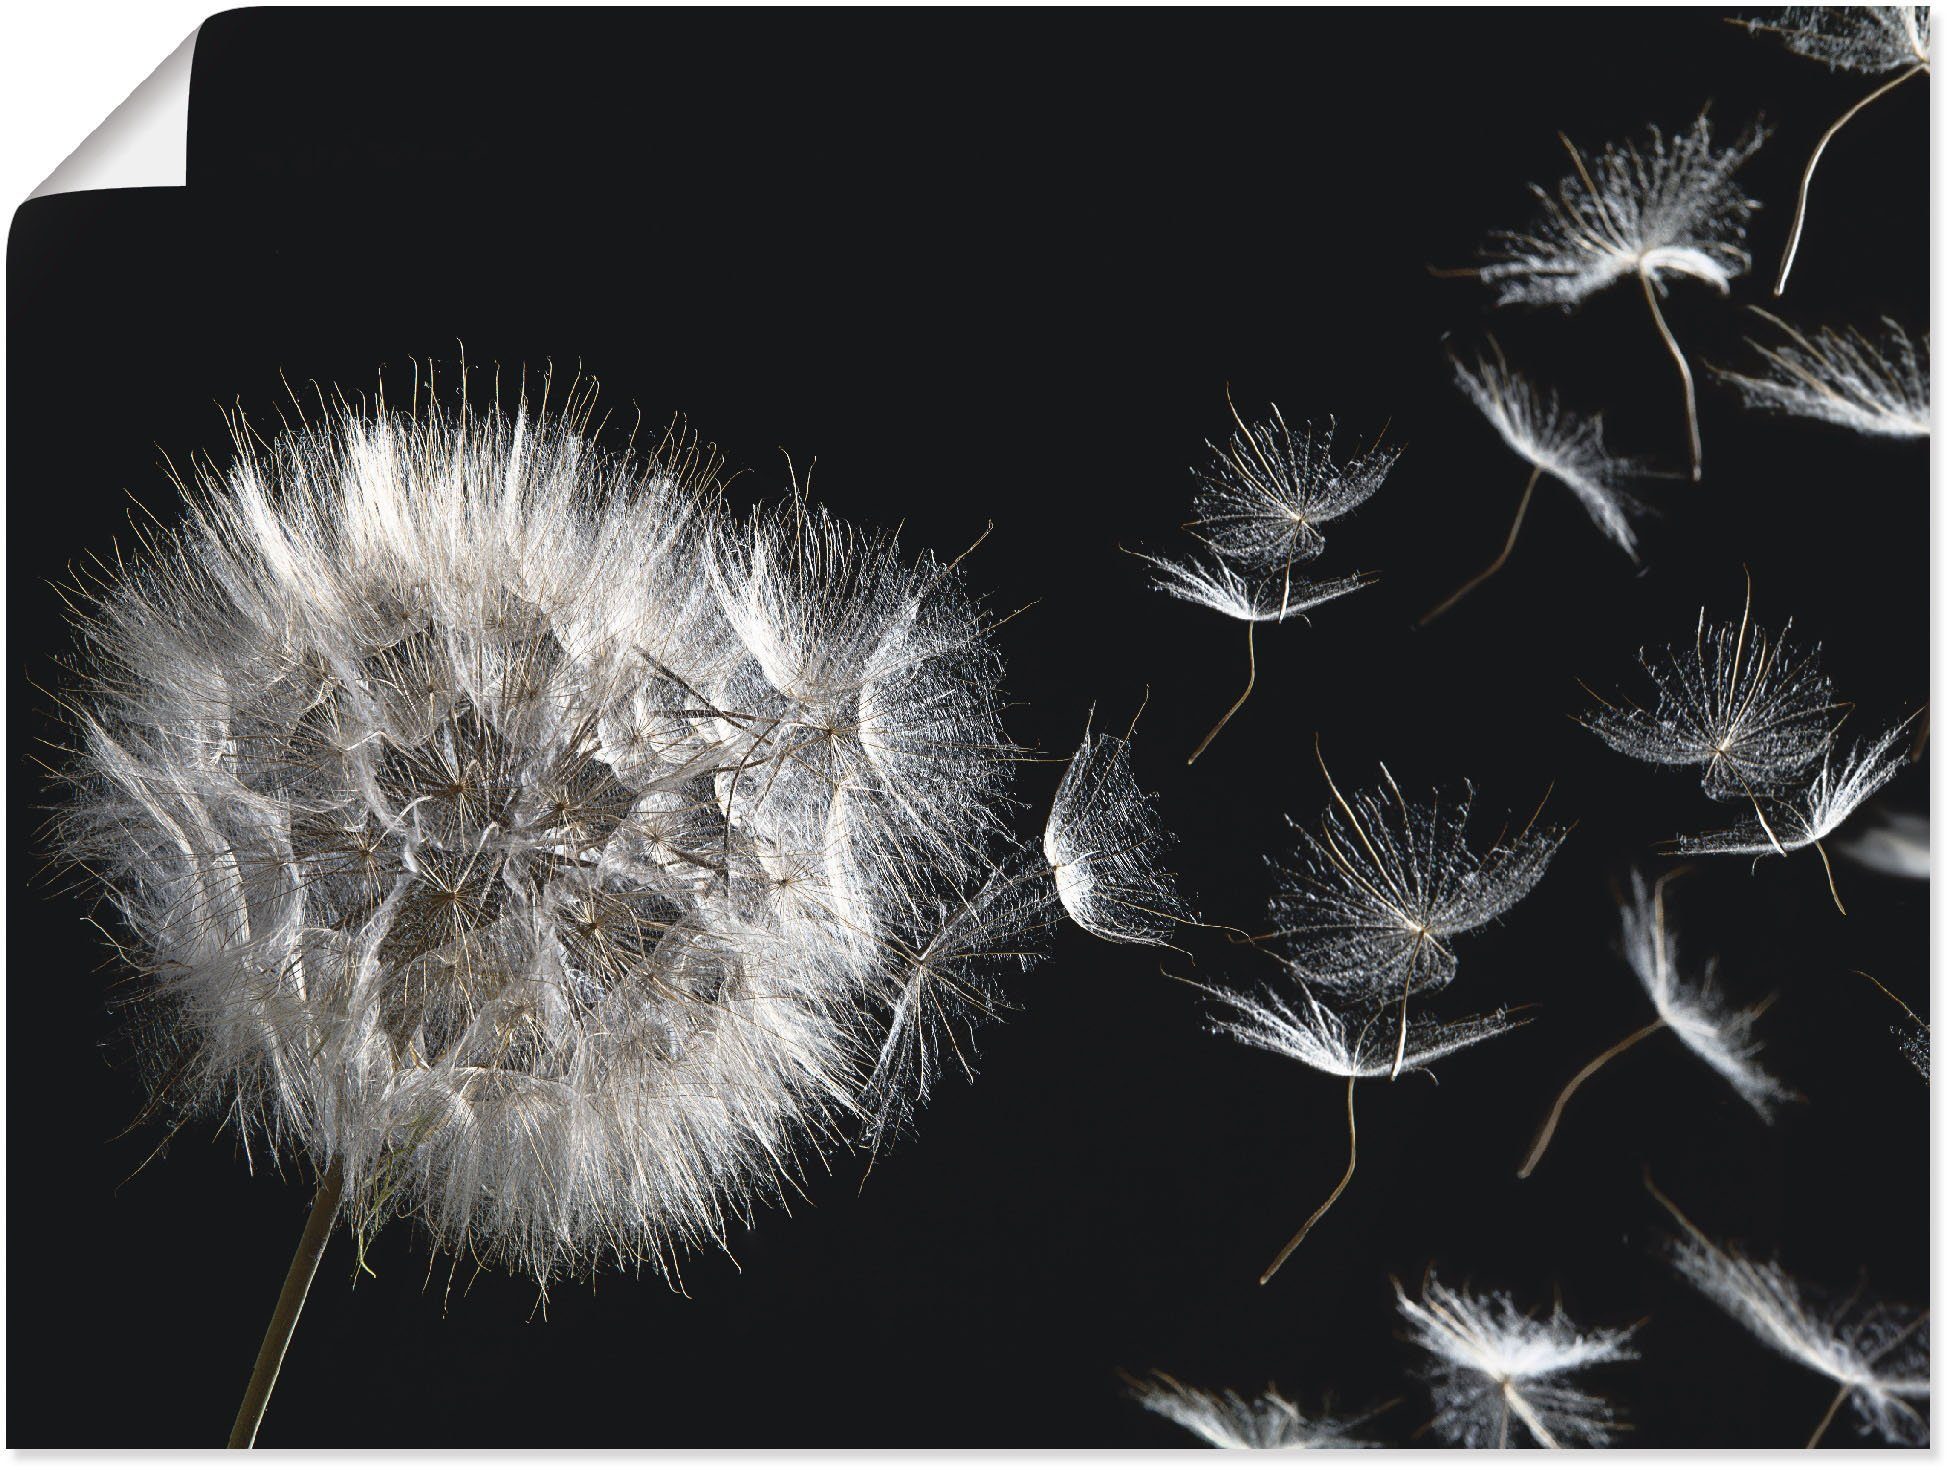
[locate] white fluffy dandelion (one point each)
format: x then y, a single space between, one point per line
519 838
1376 898
1352 1044
1794 819
1102 841
1497 1371
1230 1421
1897 844
1876 1355
1557 443
1664 209
1843 377
1874 39
1691 1009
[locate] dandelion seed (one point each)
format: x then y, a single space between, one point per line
1842 377
1896 844
1877 1355
1867 38
1799 819
1101 843
526 843
1557 443
1668 209
1230 1421
1692 1010
1222 588
1349 1044
1379 894
1750 708
1496 1368
1268 491
1914 1035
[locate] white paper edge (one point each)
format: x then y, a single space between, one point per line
143 144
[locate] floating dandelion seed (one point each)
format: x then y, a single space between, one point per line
1268 491
1230 1421
1349 1044
1222 588
1786 822
1843 377
1495 1367
1101 843
1866 38
1386 884
1693 1011
1556 442
1896 844
1914 1035
1747 706
1668 209
1877 1355
528 844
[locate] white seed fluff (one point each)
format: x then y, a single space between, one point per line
503 822
1841 376
1563 445
1803 817
1866 38
1230 1421
1102 842
1497 1372
1358 1042
1665 207
1694 1009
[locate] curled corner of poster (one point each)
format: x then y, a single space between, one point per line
143 144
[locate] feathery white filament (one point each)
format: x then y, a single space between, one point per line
1497 1372
1101 842
1843 377
1230 1421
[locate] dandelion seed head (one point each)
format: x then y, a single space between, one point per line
1268 491
1102 841
501 820
1841 376
1374 899
1567 446
1664 207
1230 1421
1748 706
1866 38
1499 1375
1694 1009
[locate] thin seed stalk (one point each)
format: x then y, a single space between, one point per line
290 1302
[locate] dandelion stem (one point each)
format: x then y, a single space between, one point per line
1520 513
290 1301
1351 1163
1250 645
1830 882
1805 184
1683 367
1555 1114
1830 1410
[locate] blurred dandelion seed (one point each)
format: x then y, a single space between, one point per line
1230 1421
1915 1036
1874 39
1693 1011
1842 377
1878 1355
1495 1367
1555 442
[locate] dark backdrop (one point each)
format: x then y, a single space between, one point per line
1002 265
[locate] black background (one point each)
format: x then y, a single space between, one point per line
1002 265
